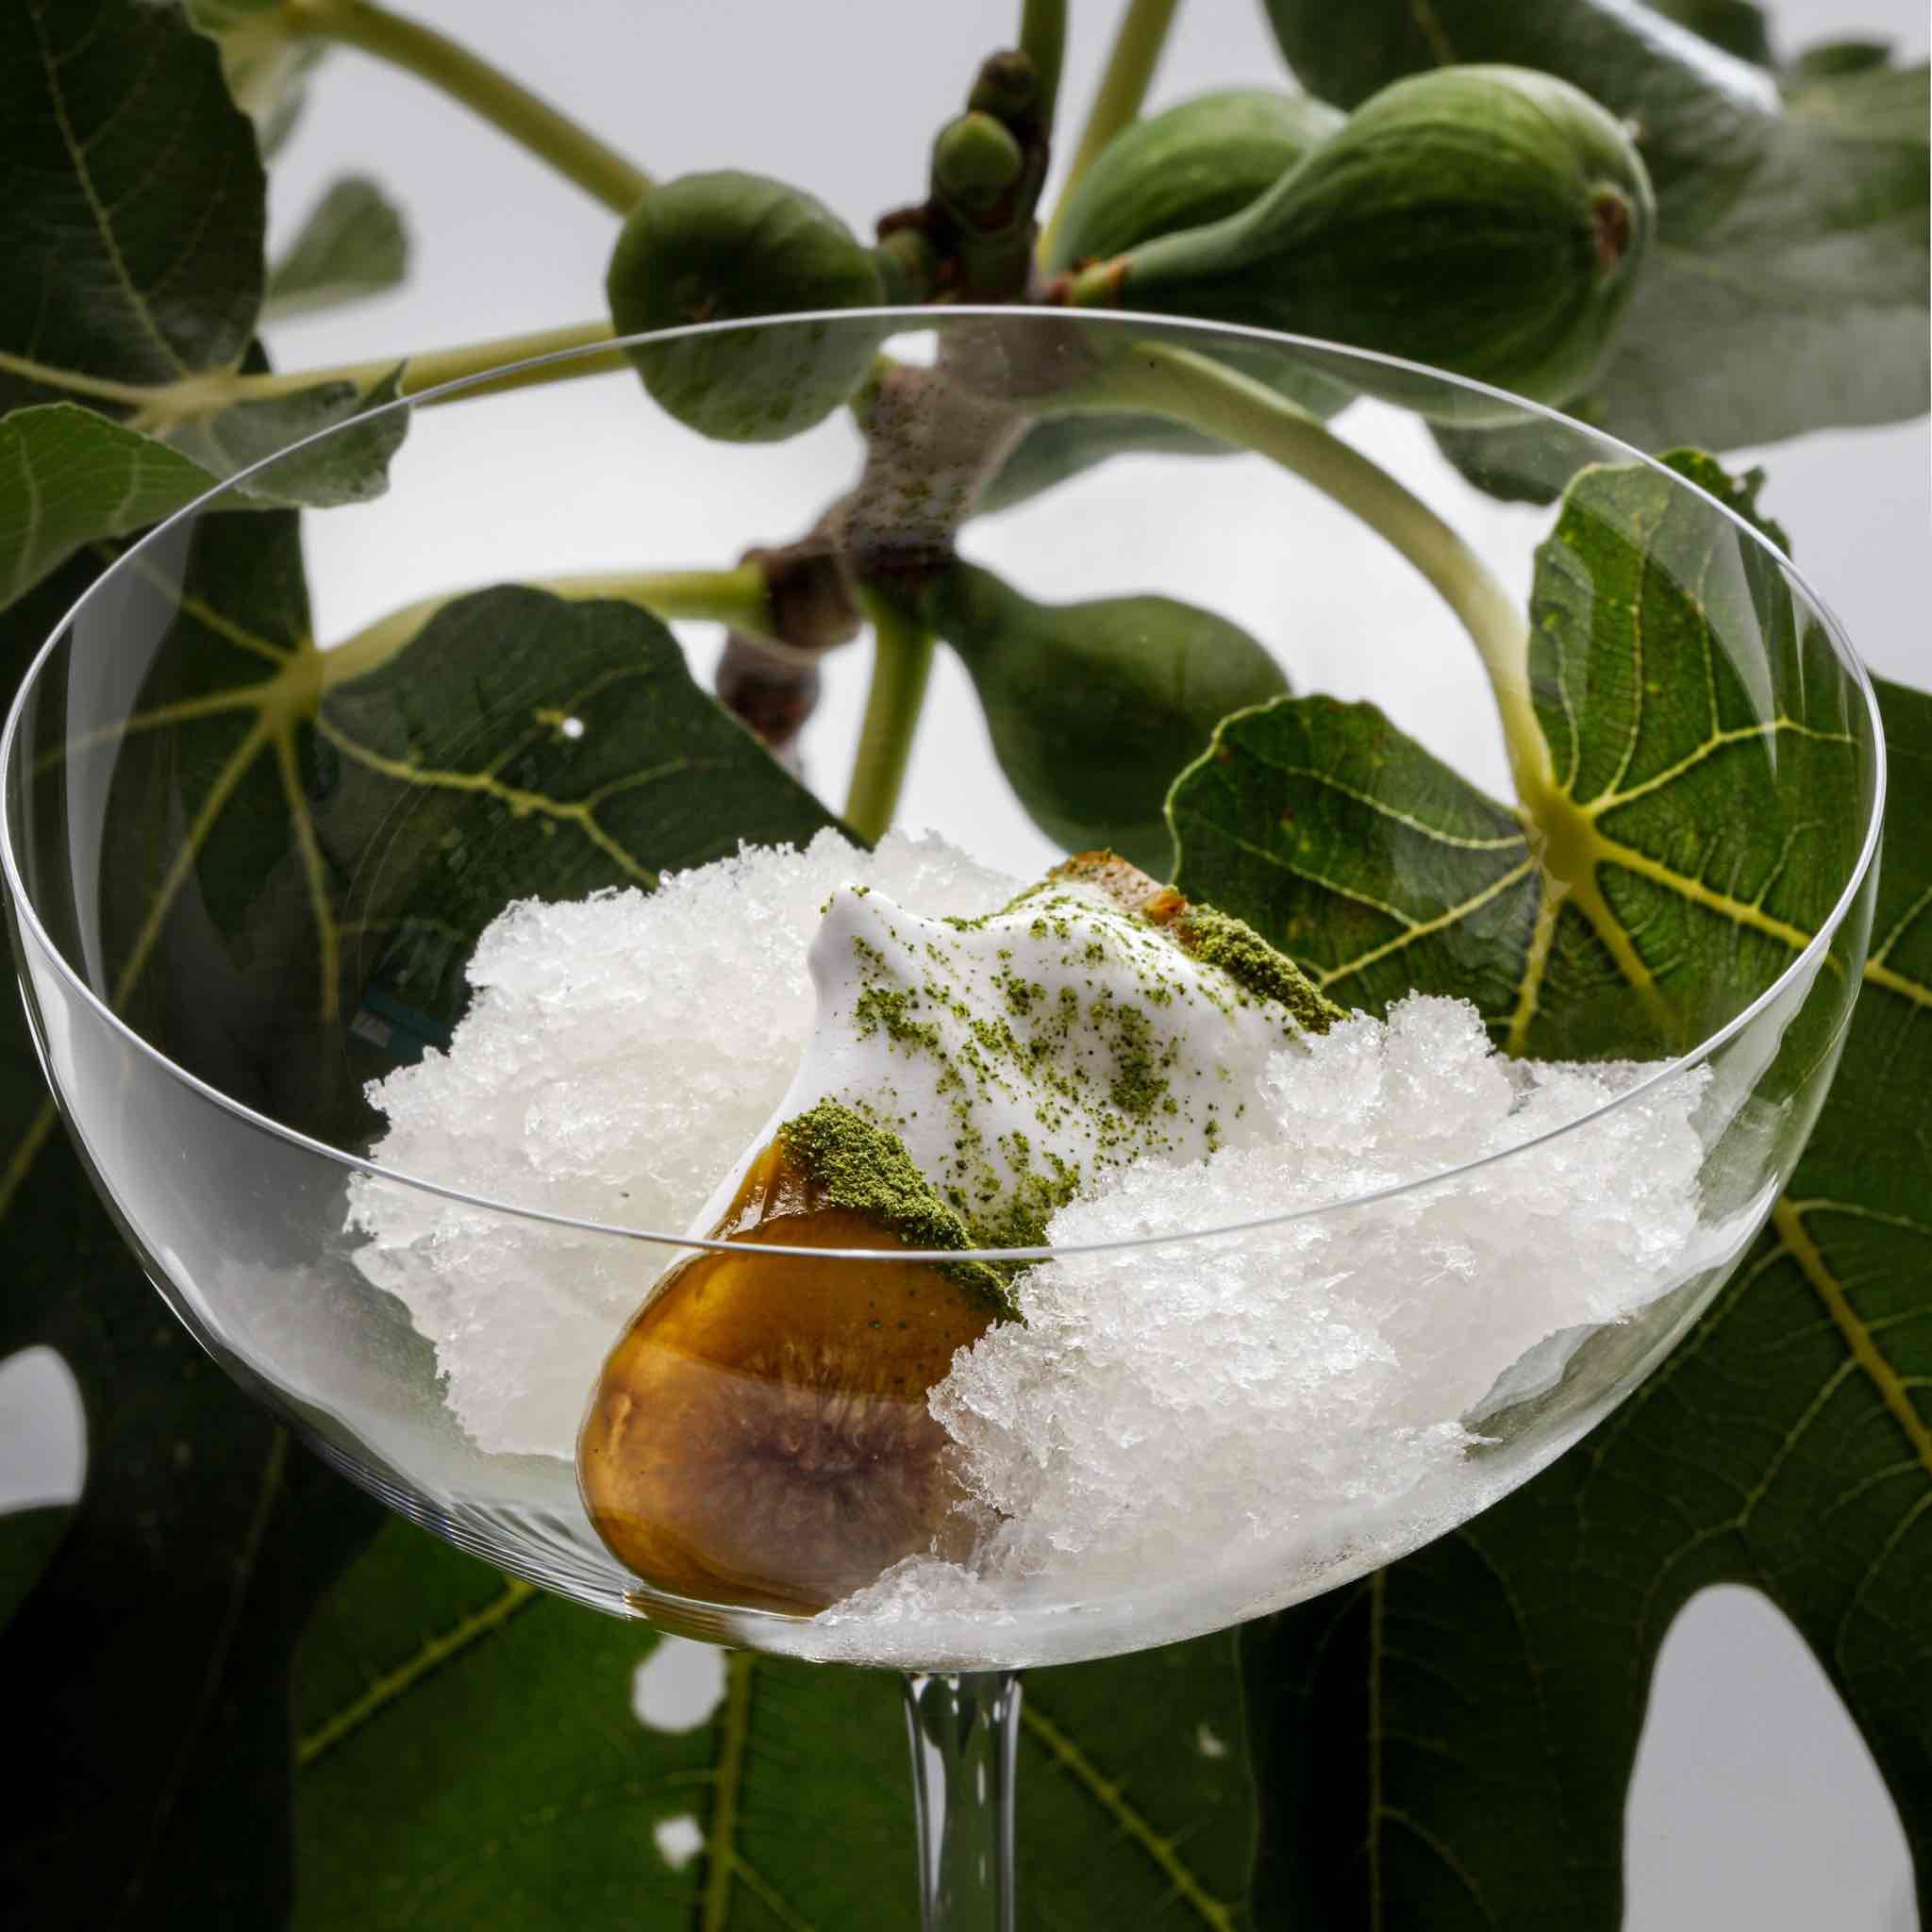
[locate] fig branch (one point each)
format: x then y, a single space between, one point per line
902 661
575 153
1043 40
1188 387
740 597
971 239
158 406
931 441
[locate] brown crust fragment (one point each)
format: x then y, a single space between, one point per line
1212 937
1126 885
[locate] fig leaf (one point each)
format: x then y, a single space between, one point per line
1452 1735
438 1707
134 245
352 246
149 1651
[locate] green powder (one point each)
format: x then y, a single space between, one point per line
866 1171
1096 1064
1216 939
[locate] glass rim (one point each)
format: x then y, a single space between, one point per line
916 320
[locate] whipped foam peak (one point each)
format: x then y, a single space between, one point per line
1024 1054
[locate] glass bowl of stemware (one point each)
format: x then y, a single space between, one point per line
270 780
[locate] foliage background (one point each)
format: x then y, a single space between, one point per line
1754 1802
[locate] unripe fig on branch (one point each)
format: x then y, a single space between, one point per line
1489 220
1094 708
727 245
1196 163
1192 165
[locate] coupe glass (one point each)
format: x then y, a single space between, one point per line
172 973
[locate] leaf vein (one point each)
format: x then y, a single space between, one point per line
76 153
1419 929
1864 1351
433 1654
1106 1793
721 1861
578 813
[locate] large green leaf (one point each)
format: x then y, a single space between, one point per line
267 66
1454 1737
472 1755
353 245
70 476
1786 287
147 1656
1667 855
131 220
131 196
73 477
150 1653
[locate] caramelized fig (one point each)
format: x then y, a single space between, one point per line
759 1435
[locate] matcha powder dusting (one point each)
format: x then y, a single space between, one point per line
1018 1057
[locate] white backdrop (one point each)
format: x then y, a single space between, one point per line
1754 1802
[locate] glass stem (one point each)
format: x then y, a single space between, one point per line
965 1735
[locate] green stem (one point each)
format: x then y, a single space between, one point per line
1206 395
220 389
735 596
76 382
901 662
1122 88
1043 40
573 151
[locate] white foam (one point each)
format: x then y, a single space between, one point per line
1017 1053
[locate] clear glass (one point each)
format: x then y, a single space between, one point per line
218 1098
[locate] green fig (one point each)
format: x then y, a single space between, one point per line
719 246
1489 220
1094 709
1196 163
1190 166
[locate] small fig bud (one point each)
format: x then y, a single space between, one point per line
975 160
1007 86
727 245
1094 708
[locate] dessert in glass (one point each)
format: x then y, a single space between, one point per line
994 1243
